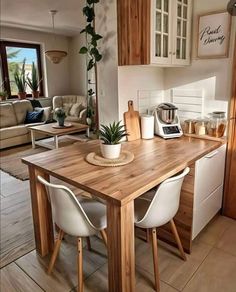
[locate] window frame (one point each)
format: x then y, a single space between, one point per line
4 65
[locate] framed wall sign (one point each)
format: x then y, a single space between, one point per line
213 35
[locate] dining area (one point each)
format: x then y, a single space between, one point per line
153 195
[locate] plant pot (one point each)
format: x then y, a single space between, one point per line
35 94
22 95
61 121
110 151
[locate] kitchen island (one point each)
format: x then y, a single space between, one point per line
155 160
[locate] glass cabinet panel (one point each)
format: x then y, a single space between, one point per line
158 45
158 21
161 37
158 6
181 29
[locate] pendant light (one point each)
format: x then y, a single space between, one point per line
55 56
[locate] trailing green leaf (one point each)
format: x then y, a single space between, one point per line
83 50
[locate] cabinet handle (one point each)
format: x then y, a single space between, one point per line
174 53
170 53
212 154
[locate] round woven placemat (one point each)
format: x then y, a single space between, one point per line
96 159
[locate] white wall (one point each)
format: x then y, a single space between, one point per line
136 78
77 66
56 76
106 24
212 75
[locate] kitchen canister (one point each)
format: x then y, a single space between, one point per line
147 126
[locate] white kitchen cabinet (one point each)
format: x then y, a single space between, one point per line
170 32
208 188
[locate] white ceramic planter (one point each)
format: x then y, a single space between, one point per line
110 151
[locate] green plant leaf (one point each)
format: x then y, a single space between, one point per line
90 64
98 57
97 37
92 1
83 50
113 133
89 29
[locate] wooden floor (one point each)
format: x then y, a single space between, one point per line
211 266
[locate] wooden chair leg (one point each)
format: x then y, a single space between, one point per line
80 265
104 236
88 243
155 259
178 241
55 251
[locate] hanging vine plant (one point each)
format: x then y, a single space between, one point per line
93 55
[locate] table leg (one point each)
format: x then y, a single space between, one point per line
42 213
121 263
33 138
56 142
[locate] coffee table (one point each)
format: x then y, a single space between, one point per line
48 130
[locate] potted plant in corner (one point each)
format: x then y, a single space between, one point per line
34 81
111 136
60 116
20 80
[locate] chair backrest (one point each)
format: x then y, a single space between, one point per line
165 202
67 212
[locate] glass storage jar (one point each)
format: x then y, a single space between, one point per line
217 124
201 127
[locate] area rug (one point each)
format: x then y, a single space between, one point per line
11 158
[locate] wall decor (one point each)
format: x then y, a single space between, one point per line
213 35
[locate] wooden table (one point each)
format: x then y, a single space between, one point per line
155 160
48 130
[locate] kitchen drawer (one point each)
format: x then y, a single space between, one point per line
206 210
209 174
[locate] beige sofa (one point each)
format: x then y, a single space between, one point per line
13 131
75 107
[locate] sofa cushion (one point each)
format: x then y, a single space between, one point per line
76 109
34 117
7 115
67 107
13 131
21 108
47 113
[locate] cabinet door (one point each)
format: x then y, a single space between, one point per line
181 32
209 174
161 31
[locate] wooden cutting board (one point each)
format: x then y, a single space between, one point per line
132 123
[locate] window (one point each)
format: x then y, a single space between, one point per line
12 56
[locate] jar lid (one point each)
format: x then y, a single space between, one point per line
218 114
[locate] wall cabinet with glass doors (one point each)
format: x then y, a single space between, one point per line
154 32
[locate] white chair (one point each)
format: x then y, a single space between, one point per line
80 218
153 210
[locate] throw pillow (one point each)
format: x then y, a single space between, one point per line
67 107
34 117
76 109
47 113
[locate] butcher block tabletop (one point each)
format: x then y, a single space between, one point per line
154 161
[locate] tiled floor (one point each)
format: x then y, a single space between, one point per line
210 268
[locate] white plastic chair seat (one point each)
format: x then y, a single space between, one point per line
95 211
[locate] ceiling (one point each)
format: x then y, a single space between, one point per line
34 15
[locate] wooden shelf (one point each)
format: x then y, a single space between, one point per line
207 137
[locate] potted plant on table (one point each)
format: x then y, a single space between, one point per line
34 81
111 136
60 116
20 80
